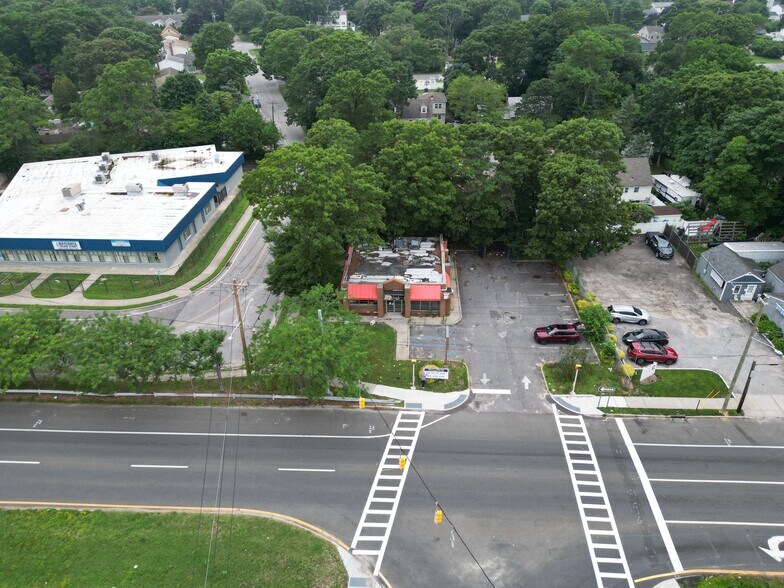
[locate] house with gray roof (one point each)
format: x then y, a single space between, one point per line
161 20
649 36
730 276
428 106
775 278
637 180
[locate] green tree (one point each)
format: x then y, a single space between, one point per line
145 46
226 67
303 355
324 201
281 52
64 93
122 106
360 100
33 345
245 130
307 10
274 21
333 132
474 99
371 20
212 37
245 15
579 213
183 128
179 90
199 352
18 136
591 139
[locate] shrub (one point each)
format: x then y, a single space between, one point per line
607 351
567 358
595 318
627 369
613 337
621 353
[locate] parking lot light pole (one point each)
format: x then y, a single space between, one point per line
743 357
413 373
577 367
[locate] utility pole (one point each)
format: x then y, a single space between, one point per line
742 358
272 104
446 347
746 387
236 287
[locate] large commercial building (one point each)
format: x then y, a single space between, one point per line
409 277
129 208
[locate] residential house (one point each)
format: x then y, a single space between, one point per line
339 21
774 309
177 62
161 20
407 277
428 106
649 36
510 111
775 10
637 180
56 132
762 252
427 82
673 189
660 7
662 216
728 275
775 278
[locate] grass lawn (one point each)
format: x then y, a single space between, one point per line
226 257
663 411
385 369
698 248
11 283
86 548
737 581
58 285
671 383
120 286
757 59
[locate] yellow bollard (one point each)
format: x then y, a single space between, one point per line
361 402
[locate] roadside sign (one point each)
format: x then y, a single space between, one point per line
436 373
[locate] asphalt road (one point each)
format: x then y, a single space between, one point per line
501 479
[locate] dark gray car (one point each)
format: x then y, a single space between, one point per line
659 245
646 336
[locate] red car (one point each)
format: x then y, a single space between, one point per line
642 353
568 333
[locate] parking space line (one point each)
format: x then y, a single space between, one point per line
680 481
654 504
728 523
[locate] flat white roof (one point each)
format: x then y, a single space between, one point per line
677 184
748 246
34 206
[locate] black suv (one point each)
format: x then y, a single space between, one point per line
646 336
660 246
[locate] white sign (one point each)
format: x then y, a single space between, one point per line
121 243
774 548
648 371
67 245
436 373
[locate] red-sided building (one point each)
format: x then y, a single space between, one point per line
409 277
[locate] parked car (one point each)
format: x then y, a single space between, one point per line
646 336
564 333
660 246
642 353
622 313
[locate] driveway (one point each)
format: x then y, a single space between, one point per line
502 303
705 333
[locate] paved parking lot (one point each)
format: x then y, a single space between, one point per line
705 333
503 302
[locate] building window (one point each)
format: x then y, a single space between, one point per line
52 256
98 256
438 105
208 209
625 190
426 305
636 188
29 256
152 257
186 234
352 302
423 109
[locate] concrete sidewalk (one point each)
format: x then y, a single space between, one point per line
77 298
756 406
422 399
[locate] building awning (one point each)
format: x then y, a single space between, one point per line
362 292
424 292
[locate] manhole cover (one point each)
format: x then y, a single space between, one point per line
536 277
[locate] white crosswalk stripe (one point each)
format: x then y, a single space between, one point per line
608 559
381 506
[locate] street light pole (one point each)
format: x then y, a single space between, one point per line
743 357
413 372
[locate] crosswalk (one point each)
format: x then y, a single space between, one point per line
604 544
378 515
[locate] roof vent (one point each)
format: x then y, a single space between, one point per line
80 206
133 187
180 188
154 156
100 178
216 157
105 156
103 167
72 190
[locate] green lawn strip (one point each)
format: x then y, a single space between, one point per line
663 411
93 308
759 59
736 581
123 286
671 383
698 248
386 370
226 257
57 285
13 282
93 548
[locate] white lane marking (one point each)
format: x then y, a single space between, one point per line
679 481
38 422
401 445
728 523
596 513
169 467
491 391
446 416
8 461
698 446
304 470
646 485
186 434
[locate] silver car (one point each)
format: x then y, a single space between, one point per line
622 313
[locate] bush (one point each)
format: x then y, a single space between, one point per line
607 351
771 330
567 358
595 318
627 369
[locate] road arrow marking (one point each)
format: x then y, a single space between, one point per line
526 382
484 379
774 548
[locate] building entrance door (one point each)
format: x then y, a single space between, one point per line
394 301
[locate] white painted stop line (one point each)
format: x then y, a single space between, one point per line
491 391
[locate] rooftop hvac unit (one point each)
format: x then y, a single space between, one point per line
414 244
105 156
154 156
80 206
100 178
216 157
180 188
133 187
103 167
72 190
